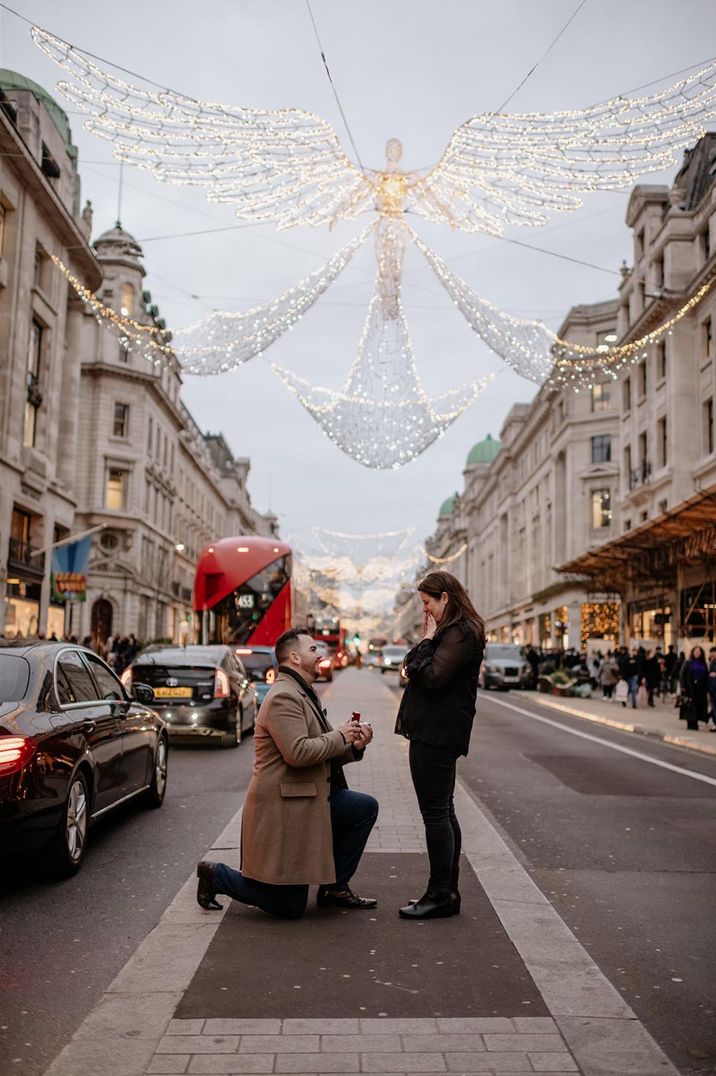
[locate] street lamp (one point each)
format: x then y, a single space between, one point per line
180 547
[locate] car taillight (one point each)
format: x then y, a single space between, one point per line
16 752
221 685
126 678
270 676
324 664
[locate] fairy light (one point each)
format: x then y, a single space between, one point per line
287 165
225 339
383 417
447 560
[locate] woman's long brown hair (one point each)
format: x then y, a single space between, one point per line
459 606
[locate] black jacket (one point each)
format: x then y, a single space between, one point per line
438 704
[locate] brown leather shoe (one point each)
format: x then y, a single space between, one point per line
205 891
342 898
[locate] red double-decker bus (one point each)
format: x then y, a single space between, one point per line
242 591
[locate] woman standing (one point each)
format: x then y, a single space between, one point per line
436 715
693 681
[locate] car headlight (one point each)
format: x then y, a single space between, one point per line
387 661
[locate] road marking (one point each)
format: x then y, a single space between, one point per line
605 743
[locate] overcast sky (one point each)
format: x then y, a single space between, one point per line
414 69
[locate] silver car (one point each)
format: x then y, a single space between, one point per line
504 667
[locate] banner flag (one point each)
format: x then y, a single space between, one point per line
68 577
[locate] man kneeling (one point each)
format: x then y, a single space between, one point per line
301 824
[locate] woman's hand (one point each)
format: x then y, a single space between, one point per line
429 626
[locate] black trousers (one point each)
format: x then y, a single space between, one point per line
433 772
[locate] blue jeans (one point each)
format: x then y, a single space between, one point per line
353 816
633 688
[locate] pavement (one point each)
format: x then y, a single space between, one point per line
661 721
503 988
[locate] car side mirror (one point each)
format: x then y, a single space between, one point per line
143 693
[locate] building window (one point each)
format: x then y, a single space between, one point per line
34 396
116 486
121 420
642 379
661 361
708 426
601 508
3 216
126 305
602 448
627 462
627 524
123 354
705 243
627 394
662 441
663 506
659 273
149 435
601 397
706 338
642 448
39 273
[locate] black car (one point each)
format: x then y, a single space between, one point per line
73 745
200 691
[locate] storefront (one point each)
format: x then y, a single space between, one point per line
665 574
22 609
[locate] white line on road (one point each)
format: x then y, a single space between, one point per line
606 743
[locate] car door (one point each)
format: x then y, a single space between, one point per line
245 689
95 721
137 733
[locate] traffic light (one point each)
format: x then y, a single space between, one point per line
356 638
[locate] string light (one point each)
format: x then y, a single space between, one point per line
447 560
533 350
383 417
287 165
225 340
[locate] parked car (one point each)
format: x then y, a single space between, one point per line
202 692
73 745
373 658
392 658
324 668
504 667
260 664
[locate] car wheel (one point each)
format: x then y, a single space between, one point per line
154 796
67 848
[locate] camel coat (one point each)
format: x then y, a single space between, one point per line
286 836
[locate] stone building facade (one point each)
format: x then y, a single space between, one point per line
665 556
93 435
39 364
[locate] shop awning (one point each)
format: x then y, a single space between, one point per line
653 550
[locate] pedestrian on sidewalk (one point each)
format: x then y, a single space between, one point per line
436 715
301 824
712 686
670 661
608 676
694 689
652 676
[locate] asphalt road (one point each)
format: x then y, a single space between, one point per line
623 848
62 944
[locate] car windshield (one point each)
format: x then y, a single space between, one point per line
394 652
257 664
14 677
503 653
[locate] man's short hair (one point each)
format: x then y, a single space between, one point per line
287 641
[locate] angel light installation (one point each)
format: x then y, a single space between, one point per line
287 166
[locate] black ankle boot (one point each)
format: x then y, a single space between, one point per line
205 891
455 894
438 905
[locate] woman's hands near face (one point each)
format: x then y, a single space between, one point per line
429 625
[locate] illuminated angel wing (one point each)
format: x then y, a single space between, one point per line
283 165
514 169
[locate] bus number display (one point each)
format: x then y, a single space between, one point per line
245 601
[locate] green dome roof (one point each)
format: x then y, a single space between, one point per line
447 506
484 451
11 80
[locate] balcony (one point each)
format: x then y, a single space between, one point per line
640 475
23 556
